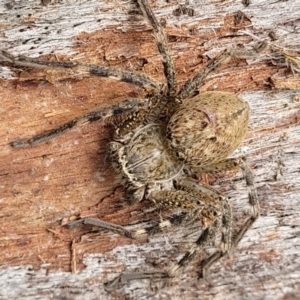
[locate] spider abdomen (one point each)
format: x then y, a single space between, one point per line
206 129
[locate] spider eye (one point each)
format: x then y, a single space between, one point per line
203 125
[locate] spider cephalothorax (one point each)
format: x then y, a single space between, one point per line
162 141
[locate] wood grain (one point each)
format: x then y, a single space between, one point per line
71 176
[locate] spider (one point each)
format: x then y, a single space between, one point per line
162 142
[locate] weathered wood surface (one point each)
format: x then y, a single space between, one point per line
71 176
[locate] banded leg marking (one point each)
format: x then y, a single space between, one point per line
106 114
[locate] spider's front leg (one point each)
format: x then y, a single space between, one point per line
162 45
136 78
109 115
192 85
222 58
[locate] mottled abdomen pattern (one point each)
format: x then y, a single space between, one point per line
206 129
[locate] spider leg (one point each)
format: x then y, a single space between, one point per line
140 234
191 85
232 163
102 224
128 276
209 205
125 276
217 209
253 201
135 78
108 115
224 57
162 45
206 238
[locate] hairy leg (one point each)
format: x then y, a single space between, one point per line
108 115
140 234
191 85
253 202
233 163
197 200
162 45
205 238
222 58
218 210
136 78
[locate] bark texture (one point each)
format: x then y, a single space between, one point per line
42 187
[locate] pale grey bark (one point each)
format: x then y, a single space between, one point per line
266 264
